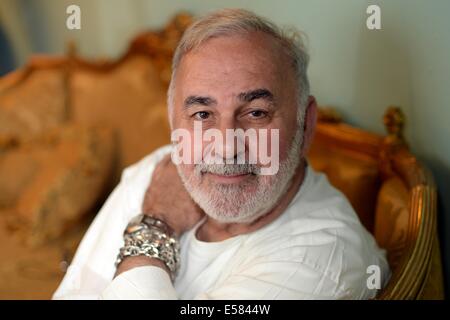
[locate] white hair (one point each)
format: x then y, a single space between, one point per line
227 22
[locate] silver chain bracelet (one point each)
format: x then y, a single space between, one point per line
151 237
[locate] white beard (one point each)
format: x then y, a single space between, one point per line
247 201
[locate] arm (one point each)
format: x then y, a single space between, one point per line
261 279
147 278
167 200
92 267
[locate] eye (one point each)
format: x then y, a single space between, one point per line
201 115
258 114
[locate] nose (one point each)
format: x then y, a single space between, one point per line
233 147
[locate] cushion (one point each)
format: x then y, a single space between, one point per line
353 173
392 218
69 172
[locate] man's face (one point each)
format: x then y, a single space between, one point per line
238 82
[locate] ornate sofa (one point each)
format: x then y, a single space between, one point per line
393 194
69 126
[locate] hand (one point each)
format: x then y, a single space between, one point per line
167 199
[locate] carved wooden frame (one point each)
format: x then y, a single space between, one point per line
419 274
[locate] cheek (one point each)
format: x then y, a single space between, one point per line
274 143
186 169
287 135
285 144
188 145
196 146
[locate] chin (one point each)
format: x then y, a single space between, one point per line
223 210
237 218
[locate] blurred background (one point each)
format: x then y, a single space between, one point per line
357 71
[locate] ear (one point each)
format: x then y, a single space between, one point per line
309 124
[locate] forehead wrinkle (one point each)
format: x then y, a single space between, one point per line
267 65
199 100
260 93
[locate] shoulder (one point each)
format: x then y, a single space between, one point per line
323 241
145 166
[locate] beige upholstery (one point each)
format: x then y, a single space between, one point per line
392 215
129 99
355 174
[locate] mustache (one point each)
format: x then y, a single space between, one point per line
226 169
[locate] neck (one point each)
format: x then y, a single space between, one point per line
212 230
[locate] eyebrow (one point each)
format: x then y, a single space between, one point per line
247 96
199 100
256 94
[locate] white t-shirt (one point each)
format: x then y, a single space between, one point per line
316 249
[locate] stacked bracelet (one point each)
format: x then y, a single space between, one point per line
153 238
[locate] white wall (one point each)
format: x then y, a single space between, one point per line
356 70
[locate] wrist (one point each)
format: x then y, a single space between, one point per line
149 238
173 229
139 261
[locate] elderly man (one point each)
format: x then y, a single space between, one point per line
221 229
